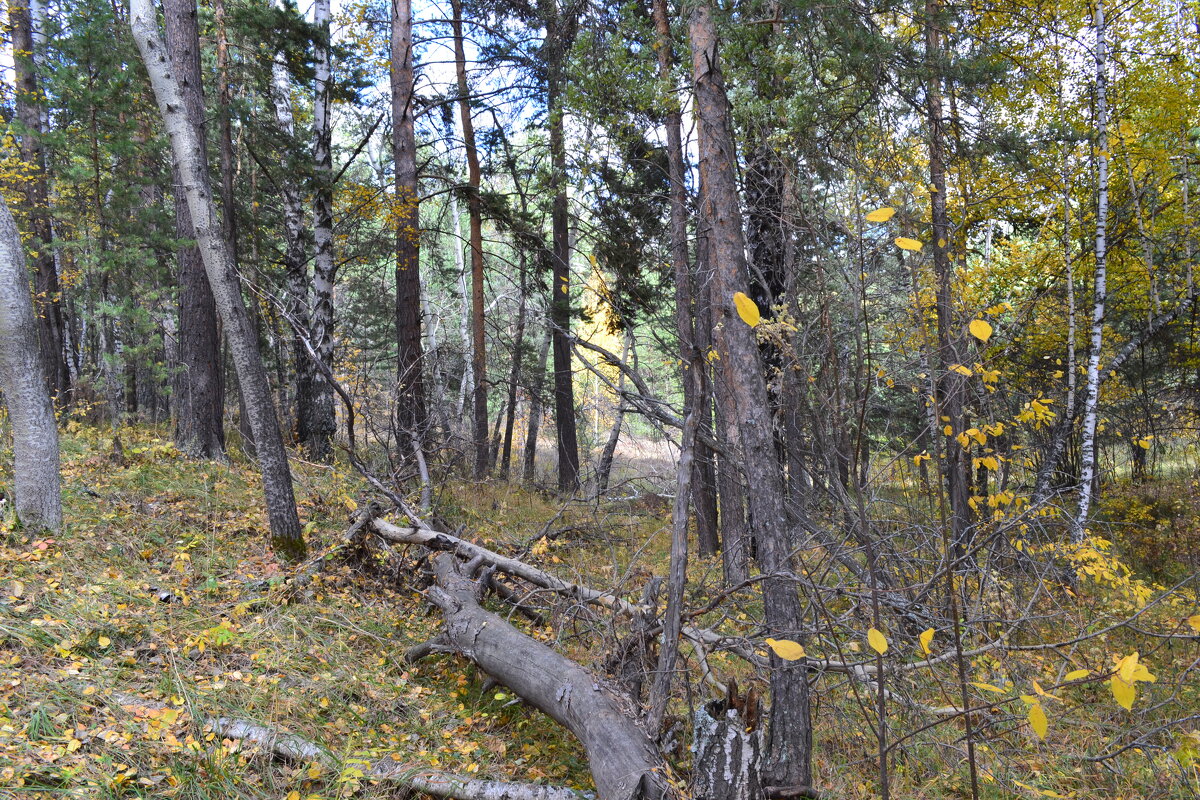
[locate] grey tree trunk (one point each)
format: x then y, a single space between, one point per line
479 417
320 442
286 535
51 327
294 259
1091 401
747 416
695 394
624 761
35 438
198 386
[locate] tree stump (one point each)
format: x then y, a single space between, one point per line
728 748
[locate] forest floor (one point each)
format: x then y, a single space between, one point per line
159 607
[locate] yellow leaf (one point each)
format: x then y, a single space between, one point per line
747 309
1144 443
925 638
104 641
881 214
1037 720
961 370
786 649
1127 666
1076 674
981 329
1194 622
878 641
1037 687
904 243
1123 692
293 795
987 687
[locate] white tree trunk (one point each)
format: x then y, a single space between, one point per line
286 536
1091 401
35 437
323 263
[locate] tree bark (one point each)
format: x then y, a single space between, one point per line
199 387
1091 401
28 101
624 762
35 438
747 416
479 416
951 386
286 534
559 35
320 442
691 360
295 259
410 378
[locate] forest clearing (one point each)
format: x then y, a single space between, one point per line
569 399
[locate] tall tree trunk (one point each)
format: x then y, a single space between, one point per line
411 416
694 395
559 34
286 535
295 259
747 415
324 269
48 299
35 438
199 387
952 385
1091 401
479 415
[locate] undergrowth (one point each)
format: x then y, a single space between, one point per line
161 592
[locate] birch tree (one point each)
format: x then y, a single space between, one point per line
1091 401
35 437
188 152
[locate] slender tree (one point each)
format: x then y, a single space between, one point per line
188 152
479 415
1091 402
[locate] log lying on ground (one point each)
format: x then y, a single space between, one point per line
295 749
625 763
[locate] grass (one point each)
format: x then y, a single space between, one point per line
162 587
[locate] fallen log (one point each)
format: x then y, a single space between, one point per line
293 749
624 761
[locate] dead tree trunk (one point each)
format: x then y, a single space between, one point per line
624 762
727 748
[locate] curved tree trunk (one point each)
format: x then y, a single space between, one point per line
35 437
286 535
479 417
624 762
